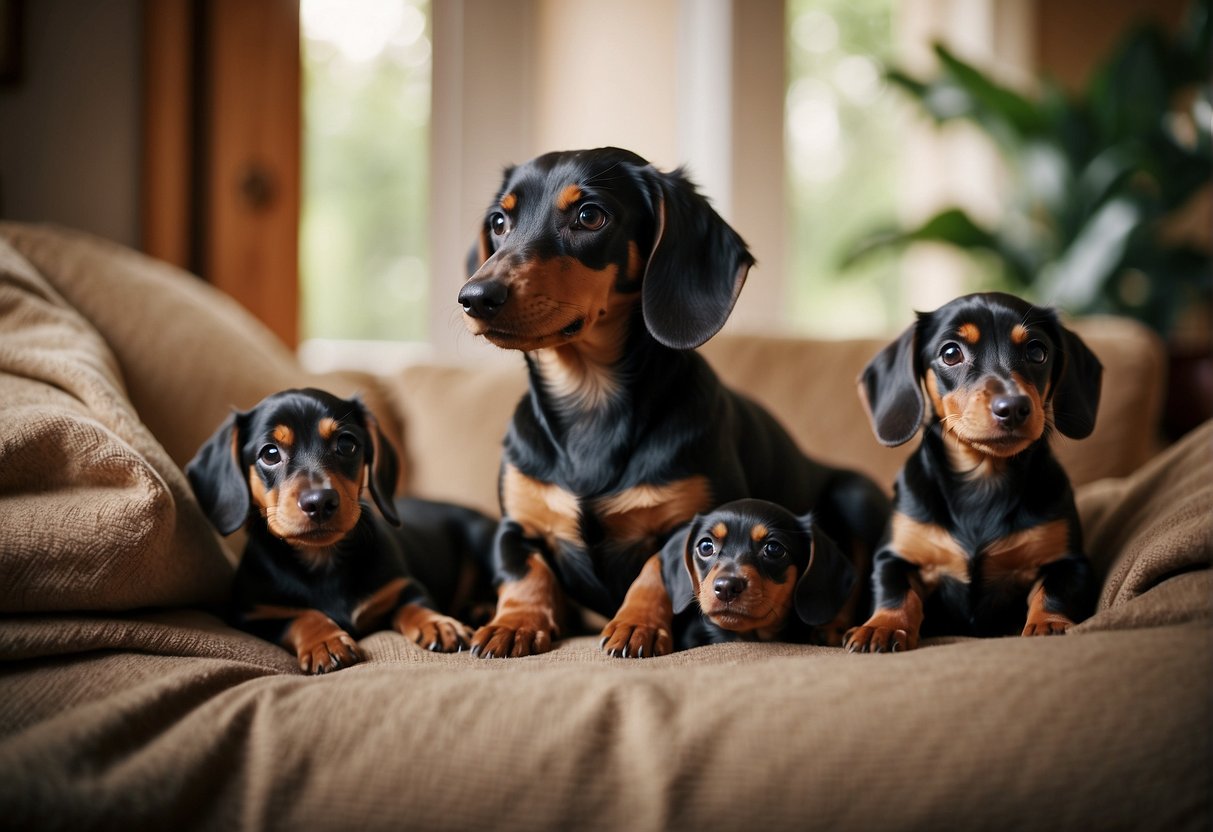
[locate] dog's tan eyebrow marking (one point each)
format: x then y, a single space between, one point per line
720 530
1019 334
283 435
568 197
758 532
969 332
327 427
509 202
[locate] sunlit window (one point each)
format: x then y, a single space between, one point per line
366 70
842 140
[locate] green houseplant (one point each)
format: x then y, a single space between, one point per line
1094 176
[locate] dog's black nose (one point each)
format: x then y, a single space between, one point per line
483 298
319 504
1011 411
729 587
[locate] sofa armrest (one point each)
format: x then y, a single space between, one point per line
1149 537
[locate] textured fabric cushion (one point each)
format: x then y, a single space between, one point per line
173 719
189 353
176 722
457 417
94 513
1150 537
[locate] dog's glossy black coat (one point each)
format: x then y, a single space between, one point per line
790 548
669 417
998 498
430 543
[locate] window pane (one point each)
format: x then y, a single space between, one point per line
366 70
842 140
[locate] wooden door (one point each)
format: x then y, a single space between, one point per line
222 148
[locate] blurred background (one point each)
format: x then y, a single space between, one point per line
327 162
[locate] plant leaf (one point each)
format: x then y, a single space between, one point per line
952 227
995 105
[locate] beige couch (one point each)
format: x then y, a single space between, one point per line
125 704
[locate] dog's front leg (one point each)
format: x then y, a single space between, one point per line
318 643
1064 594
645 619
898 598
526 619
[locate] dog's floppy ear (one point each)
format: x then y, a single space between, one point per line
696 267
382 465
823 588
677 569
214 474
1077 378
891 389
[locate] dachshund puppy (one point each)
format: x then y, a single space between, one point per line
319 569
752 570
606 274
984 538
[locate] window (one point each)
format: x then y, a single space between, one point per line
842 144
364 230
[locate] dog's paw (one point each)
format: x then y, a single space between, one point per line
626 639
515 634
432 630
331 652
1049 625
869 639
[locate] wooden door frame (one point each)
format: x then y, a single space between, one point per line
222 134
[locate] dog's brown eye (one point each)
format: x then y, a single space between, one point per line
951 354
706 548
1035 352
269 456
591 217
347 445
773 550
497 223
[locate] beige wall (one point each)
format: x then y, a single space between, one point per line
69 129
606 74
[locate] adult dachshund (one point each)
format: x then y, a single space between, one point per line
607 273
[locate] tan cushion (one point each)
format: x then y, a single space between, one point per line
171 720
1149 537
188 353
457 418
95 515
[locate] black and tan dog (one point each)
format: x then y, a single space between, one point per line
320 569
752 570
984 538
607 273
